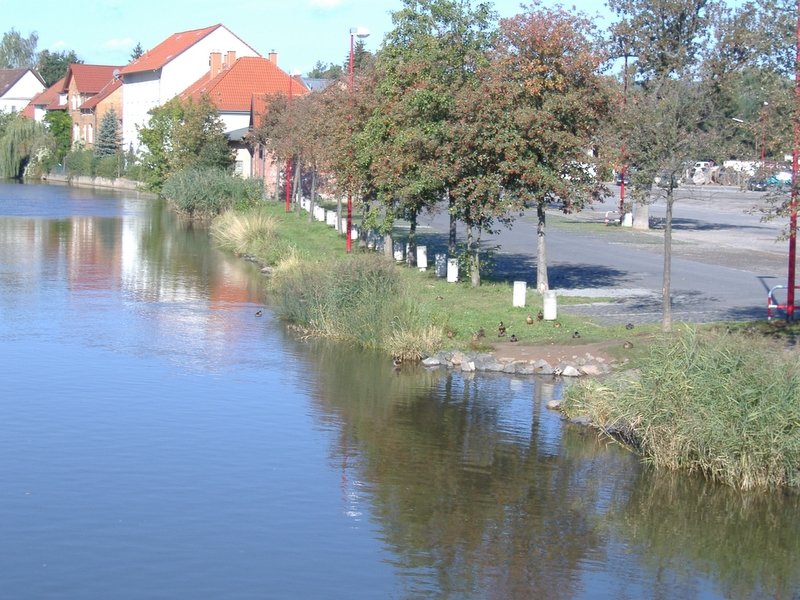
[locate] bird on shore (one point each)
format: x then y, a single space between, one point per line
627 345
478 334
513 338
556 324
629 326
576 335
540 316
529 320
501 330
259 313
397 362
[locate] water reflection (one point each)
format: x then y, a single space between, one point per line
467 485
477 485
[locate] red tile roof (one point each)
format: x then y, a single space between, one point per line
233 89
102 94
89 79
171 47
46 97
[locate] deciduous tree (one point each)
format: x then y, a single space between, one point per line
52 66
17 51
550 101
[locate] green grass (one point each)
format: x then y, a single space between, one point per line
722 404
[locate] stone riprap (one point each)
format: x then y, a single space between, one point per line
468 362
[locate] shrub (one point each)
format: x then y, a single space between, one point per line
357 299
724 405
250 232
209 192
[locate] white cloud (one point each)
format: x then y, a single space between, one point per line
117 43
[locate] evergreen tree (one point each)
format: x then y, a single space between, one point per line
108 136
137 51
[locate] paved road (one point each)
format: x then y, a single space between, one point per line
724 258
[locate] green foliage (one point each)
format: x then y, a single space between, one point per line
79 162
137 51
202 192
325 71
25 147
52 66
358 300
18 52
109 138
723 405
59 123
183 135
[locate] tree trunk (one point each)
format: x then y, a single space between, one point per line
666 306
297 183
277 182
542 284
339 215
451 240
388 238
313 198
475 267
411 258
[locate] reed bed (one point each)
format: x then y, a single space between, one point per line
205 193
726 406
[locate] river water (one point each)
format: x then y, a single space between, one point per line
159 439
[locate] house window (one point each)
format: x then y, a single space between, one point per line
74 101
76 133
89 134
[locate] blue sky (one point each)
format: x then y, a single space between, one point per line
300 31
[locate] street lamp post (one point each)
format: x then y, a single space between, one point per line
361 33
289 159
793 203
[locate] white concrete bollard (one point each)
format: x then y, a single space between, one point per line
422 258
550 306
627 220
520 293
398 252
330 218
452 270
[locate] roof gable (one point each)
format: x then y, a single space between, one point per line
107 90
9 77
171 47
89 79
49 95
234 88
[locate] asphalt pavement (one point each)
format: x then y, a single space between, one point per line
725 259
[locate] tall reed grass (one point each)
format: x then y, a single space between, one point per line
723 405
210 192
358 299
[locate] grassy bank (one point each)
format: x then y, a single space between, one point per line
375 303
725 405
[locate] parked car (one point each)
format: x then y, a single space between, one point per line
618 176
774 181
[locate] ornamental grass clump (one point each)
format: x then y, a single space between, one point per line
249 232
205 193
723 405
358 299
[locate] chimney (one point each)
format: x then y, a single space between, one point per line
215 60
231 58
273 57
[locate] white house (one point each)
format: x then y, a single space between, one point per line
168 69
17 88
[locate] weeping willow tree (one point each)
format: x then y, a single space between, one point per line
24 143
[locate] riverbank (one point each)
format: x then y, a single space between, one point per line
118 183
